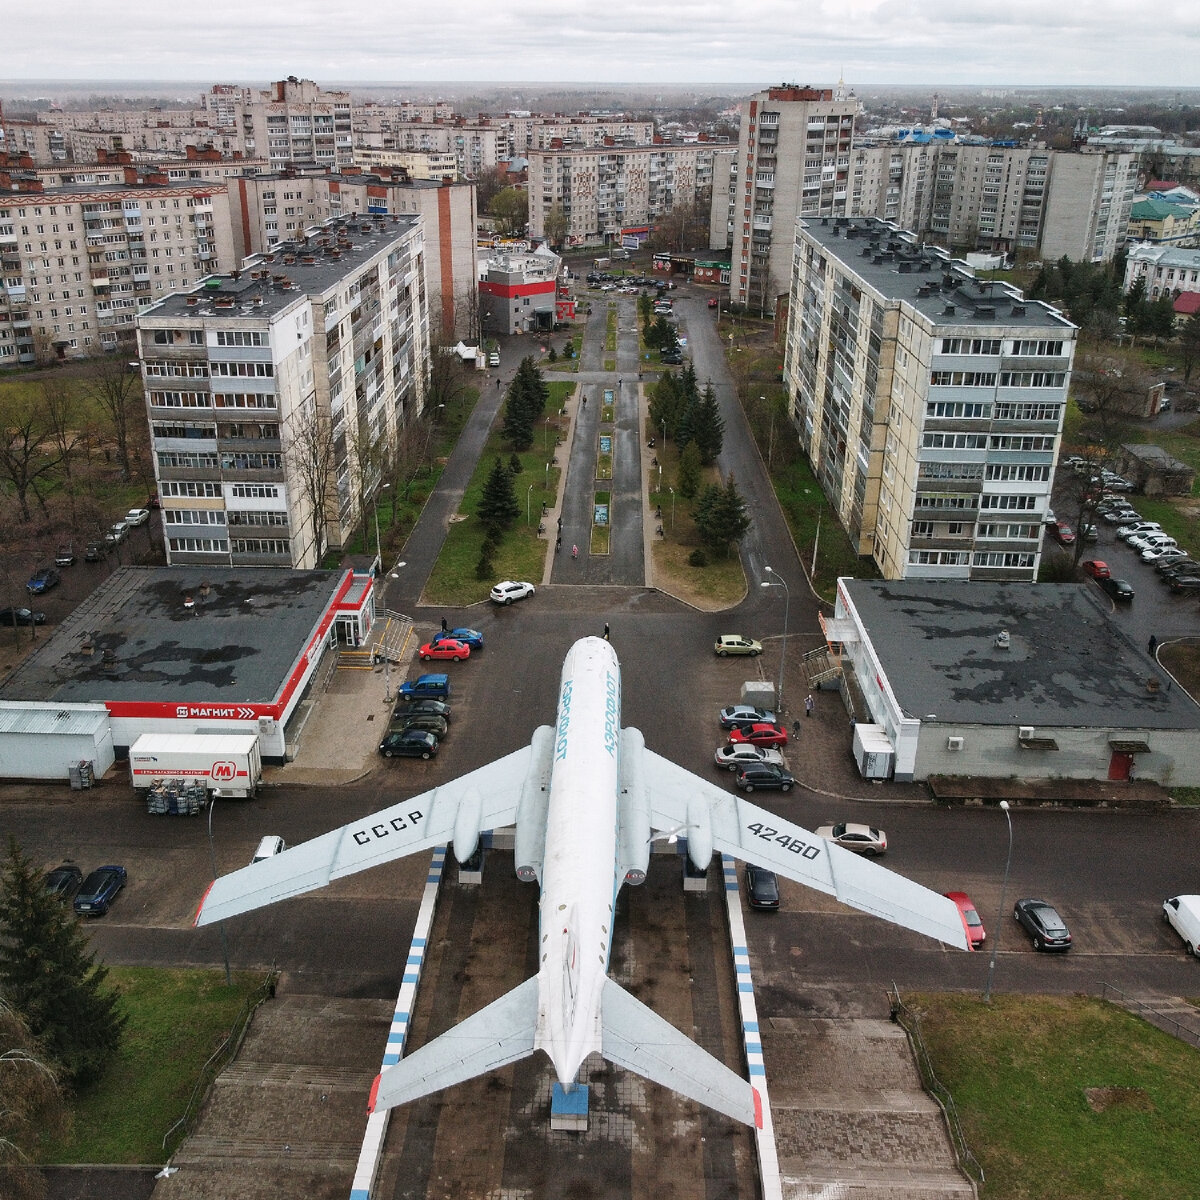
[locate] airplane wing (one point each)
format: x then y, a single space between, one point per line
483 799
679 800
495 1036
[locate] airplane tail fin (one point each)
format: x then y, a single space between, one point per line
495 1036
638 1039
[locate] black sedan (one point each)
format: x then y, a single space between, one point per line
409 743
1046 929
762 888
1118 589
21 616
63 882
99 890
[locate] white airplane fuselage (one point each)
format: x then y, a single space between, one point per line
580 874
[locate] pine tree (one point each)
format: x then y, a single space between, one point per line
498 507
722 518
709 426
688 480
49 976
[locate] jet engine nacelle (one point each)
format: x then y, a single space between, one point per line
699 833
466 825
633 811
529 845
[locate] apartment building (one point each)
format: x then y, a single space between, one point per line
418 164
930 403
274 207
581 129
793 160
276 394
1167 270
476 146
606 189
295 121
78 261
1088 204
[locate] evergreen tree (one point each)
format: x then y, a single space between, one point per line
688 479
1160 316
666 402
722 518
498 507
1135 306
49 976
1189 344
685 427
709 426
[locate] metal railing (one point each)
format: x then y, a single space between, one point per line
910 1022
218 1061
1154 1016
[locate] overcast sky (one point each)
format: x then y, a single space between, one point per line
739 42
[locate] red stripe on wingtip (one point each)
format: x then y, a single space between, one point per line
374 1095
758 1113
200 906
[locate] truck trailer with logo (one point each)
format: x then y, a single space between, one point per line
226 764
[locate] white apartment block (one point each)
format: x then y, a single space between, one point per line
793 160
582 129
270 208
295 121
609 189
930 404
275 395
419 164
1088 205
78 262
1166 269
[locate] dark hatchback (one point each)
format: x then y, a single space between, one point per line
409 743
1118 589
762 888
429 722
21 616
99 890
63 882
415 708
1046 929
763 775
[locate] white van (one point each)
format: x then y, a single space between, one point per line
1182 913
271 845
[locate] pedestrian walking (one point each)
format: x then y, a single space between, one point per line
1152 645
795 730
574 551
444 625
808 705
606 631
557 545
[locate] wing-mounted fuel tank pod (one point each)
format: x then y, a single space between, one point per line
633 811
466 825
699 832
530 841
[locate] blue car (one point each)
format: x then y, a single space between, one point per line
472 637
98 891
43 580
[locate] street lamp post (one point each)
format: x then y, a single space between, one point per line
212 856
672 491
987 991
787 597
528 500
375 508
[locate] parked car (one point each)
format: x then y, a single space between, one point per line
268 847
1096 568
424 687
760 735
408 743
455 651
21 616
1118 589
850 835
63 882
136 516
429 722
713 302
762 888
735 643
1062 533
1122 516
1157 554
412 707
509 590
743 714
673 358
1177 566
976 934
1046 929
99 890
1182 913
64 556
1125 532
95 551
42 580
735 755
1184 583
1150 541
117 533
472 637
764 775
494 359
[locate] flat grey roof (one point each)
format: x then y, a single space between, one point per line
237 644
289 270
900 268
1068 664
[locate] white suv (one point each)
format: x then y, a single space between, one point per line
507 591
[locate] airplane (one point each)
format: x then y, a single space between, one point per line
587 800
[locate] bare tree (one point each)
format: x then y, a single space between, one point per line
28 454
555 224
312 461
117 391
63 417
32 1106
466 312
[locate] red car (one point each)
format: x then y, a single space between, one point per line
970 918
713 302
1096 569
760 734
445 649
1062 533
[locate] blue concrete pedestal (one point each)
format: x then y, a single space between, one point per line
569 1110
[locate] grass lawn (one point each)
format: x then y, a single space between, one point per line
176 1020
1067 1097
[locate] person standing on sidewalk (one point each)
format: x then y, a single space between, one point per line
808 705
795 729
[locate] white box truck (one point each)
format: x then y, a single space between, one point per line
227 764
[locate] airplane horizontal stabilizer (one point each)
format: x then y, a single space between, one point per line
495 1036
638 1039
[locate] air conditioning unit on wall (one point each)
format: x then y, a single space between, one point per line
1025 732
954 743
